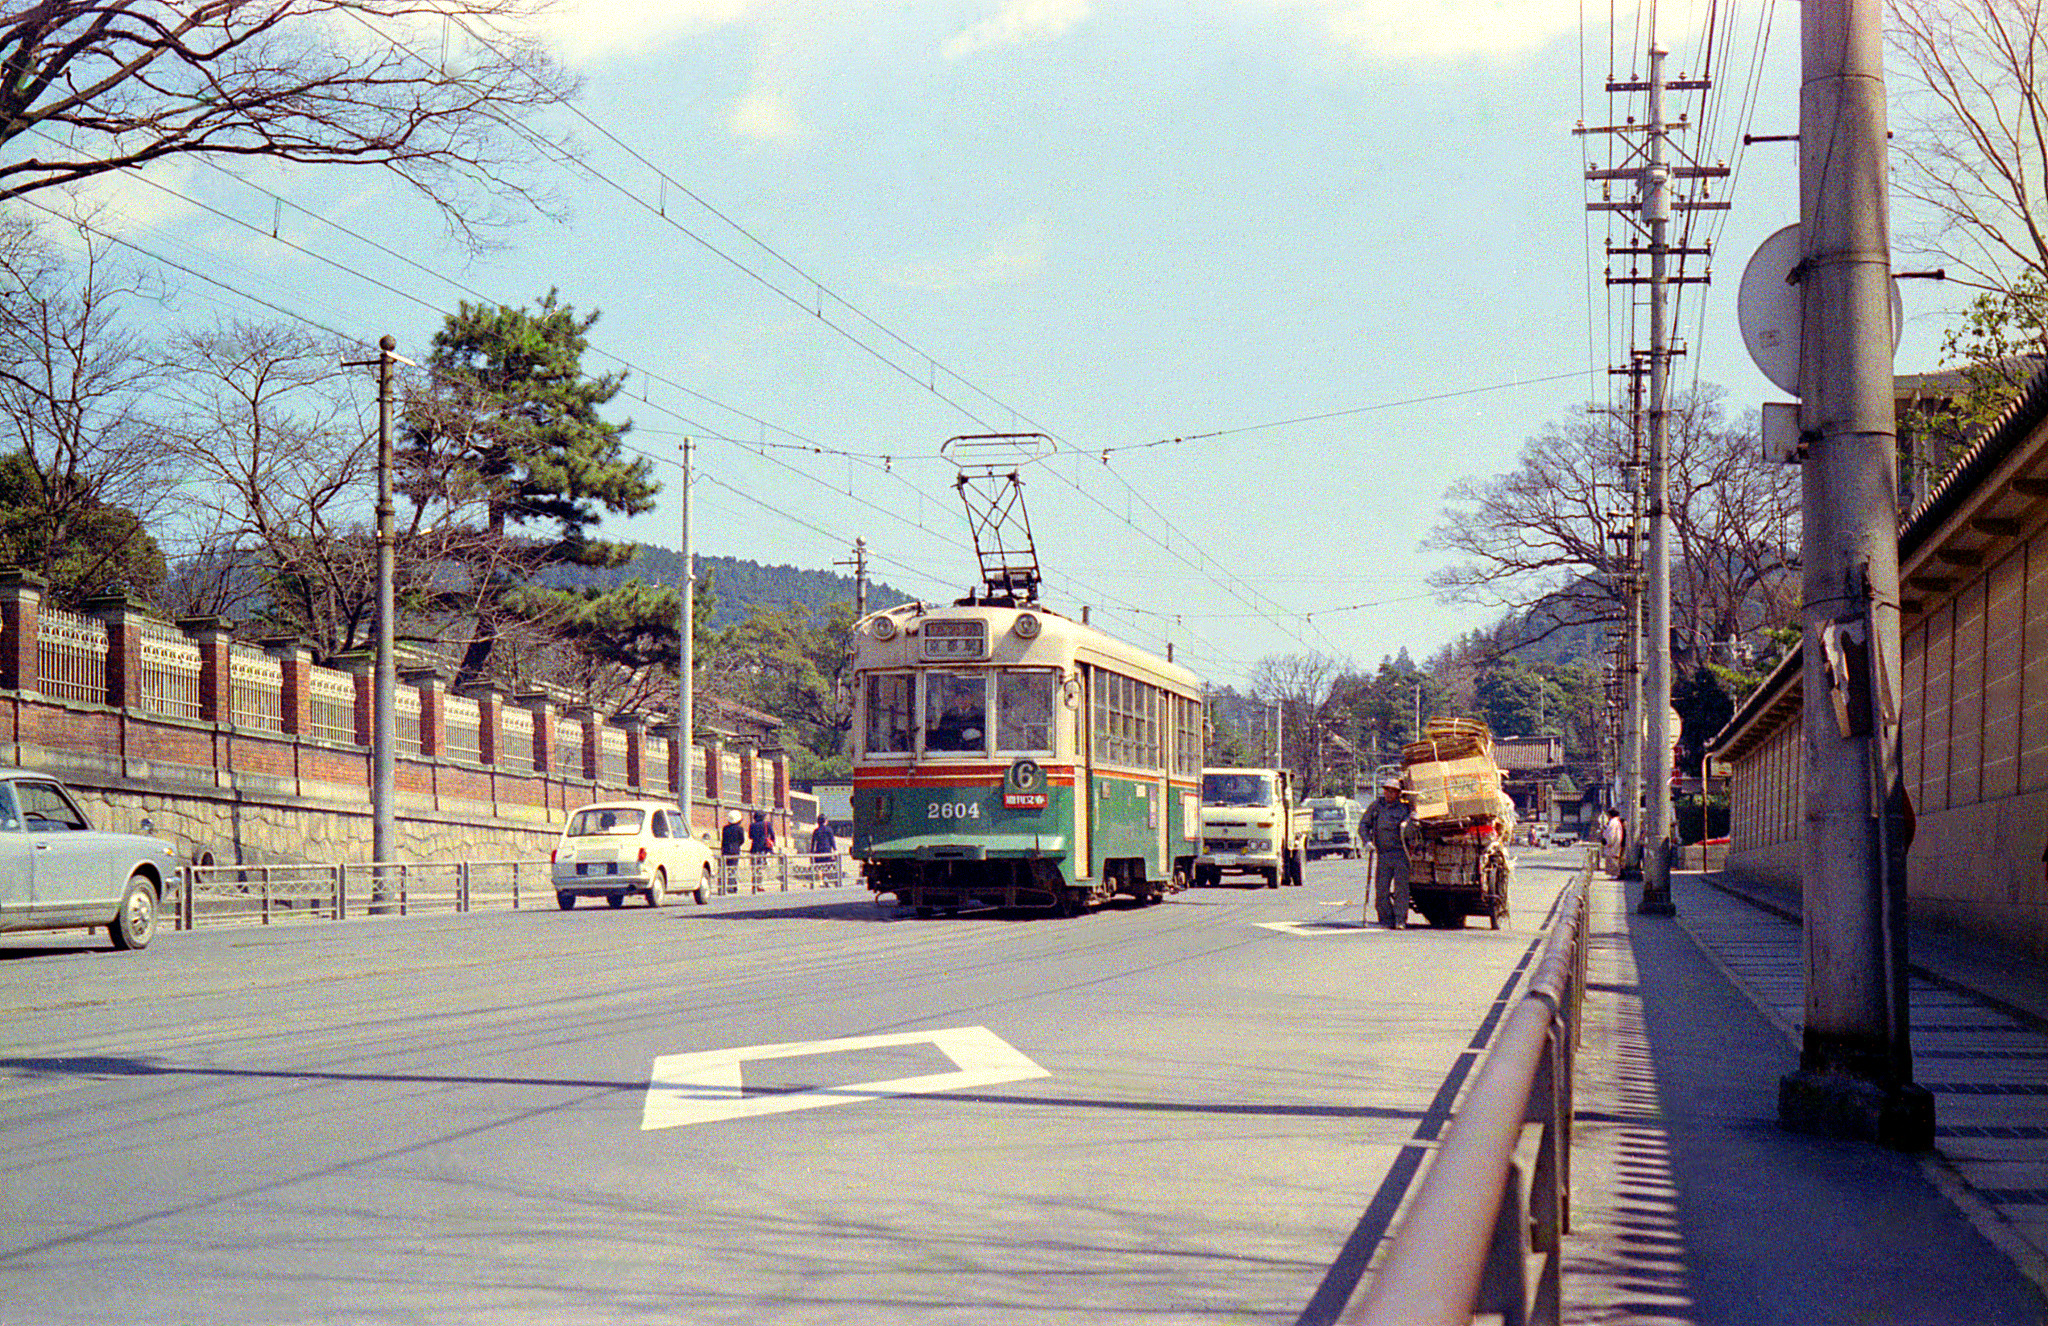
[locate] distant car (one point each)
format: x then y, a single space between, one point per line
615 848
58 872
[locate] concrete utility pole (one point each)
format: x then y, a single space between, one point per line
1653 207
1629 748
1855 1075
859 563
686 658
1656 900
384 670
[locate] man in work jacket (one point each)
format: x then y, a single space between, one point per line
1382 828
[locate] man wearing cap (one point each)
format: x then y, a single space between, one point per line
732 840
1381 827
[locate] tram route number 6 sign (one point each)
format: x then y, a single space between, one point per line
1024 787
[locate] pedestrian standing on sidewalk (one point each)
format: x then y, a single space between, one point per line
1384 820
825 855
732 840
1612 839
760 842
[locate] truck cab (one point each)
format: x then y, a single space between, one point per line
1333 827
1250 825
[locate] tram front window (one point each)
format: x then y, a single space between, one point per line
1024 703
888 729
1237 790
956 712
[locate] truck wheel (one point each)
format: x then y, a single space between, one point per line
1294 869
1273 878
565 900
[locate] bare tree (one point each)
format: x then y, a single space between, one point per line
1971 124
1542 539
75 396
1302 684
279 458
90 86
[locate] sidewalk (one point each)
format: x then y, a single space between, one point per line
1692 1206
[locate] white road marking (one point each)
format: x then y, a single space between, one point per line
706 1086
1311 927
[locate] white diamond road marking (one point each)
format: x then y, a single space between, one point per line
1311 927
706 1086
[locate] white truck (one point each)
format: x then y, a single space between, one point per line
1333 827
1251 826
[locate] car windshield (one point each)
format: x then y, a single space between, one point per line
1237 790
620 820
1334 814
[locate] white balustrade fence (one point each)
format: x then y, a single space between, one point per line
515 738
255 690
462 728
331 706
71 656
169 684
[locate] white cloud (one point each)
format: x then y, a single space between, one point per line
1019 21
1011 258
586 31
1400 31
765 115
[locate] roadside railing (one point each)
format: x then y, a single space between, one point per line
1498 1195
338 890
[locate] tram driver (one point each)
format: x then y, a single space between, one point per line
962 723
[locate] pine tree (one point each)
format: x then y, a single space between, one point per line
509 465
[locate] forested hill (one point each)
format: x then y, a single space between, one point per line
741 585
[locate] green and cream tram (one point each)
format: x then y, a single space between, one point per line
1012 757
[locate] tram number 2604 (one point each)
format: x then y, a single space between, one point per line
952 810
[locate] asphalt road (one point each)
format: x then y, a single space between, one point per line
1164 1114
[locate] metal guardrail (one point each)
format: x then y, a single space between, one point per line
337 890
1495 1198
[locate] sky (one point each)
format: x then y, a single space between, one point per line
1273 274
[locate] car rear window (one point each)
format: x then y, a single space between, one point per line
619 820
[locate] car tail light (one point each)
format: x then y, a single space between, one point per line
643 855
552 855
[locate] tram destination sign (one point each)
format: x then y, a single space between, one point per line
949 641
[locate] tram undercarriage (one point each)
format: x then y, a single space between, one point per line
947 886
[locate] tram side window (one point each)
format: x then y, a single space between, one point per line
1024 709
1187 736
888 704
956 712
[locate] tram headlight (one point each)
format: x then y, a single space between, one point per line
885 628
1026 626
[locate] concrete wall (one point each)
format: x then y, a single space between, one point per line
1980 869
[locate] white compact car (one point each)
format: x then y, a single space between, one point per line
615 848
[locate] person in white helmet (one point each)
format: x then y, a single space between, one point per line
732 840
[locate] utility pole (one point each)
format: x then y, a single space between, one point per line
1855 1075
1628 748
686 659
1656 900
384 674
1653 172
859 563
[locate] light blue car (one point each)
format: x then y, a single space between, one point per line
57 872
